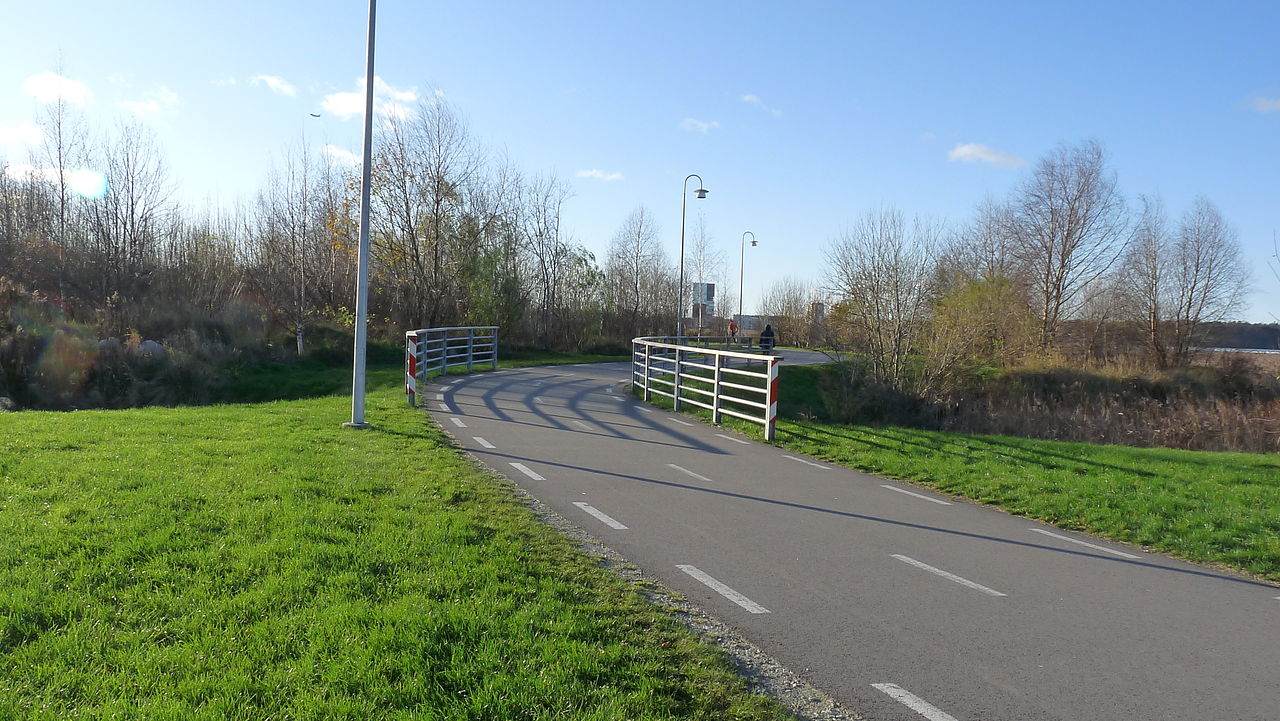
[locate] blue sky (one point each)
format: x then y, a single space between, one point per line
799 116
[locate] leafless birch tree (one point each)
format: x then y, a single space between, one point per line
1070 225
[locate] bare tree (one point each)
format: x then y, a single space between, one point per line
704 263
65 146
289 239
787 305
984 250
1146 272
1070 225
125 224
425 167
881 271
636 271
1209 275
1176 281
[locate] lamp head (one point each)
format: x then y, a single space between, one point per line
700 193
754 243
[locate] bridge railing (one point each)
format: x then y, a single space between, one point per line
701 372
439 349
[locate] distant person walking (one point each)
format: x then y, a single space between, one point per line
733 330
767 339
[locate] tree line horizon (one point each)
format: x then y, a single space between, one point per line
460 236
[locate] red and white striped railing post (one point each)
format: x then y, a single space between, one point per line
771 415
411 368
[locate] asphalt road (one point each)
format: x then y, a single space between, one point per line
901 603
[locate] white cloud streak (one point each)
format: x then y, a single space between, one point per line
599 175
976 153
21 134
1266 105
342 157
388 101
52 87
693 125
89 183
157 103
278 85
756 101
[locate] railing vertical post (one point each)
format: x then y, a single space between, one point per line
715 392
444 352
648 350
411 368
771 414
471 347
495 347
675 391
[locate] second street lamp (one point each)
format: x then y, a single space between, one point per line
700 193
742 247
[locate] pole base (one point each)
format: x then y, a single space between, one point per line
358 426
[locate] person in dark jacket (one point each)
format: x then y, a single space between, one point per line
766 339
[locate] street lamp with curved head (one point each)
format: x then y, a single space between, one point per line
700 193
742 247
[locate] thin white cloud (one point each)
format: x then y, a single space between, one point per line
599 175
155 106
693 125
21 134
1266 105
278 85
223 81
89 183
30 172
927 136
343 157
976 153
388 101
52 87
756 101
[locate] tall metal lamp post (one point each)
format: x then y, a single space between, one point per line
362 277
742 256
700 193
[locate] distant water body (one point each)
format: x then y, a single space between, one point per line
1243 350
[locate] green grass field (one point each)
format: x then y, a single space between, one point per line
1219 508
259 561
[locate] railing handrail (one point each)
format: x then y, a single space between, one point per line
649 368
428 349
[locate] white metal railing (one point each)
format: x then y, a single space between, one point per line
439 349
698 371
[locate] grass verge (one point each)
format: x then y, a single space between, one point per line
260 561
1211 507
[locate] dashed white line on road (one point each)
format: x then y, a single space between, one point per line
949 576
807 463
445 407
1121 554
722 589
913 702
582 425
917 495
483 442
691 473
677 420
439 396
540 400
527 471
735 440
603 517
458 422
646 410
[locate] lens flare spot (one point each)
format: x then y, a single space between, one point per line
89 183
